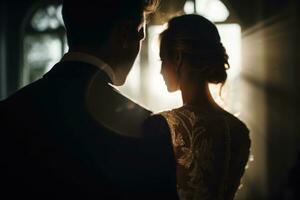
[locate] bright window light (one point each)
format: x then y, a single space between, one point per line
231 37
189 7
214 10
159 97
132 86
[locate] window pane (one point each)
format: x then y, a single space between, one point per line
41 53
214 10
48 18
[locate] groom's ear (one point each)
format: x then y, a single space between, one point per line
125 32
121 34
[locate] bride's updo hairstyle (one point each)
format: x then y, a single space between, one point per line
197 40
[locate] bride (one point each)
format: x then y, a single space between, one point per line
211 146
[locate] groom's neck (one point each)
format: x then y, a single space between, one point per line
102 53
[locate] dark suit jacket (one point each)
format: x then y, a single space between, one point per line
66 135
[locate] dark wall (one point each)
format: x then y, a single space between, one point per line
271 88
3 49
15 14
251 12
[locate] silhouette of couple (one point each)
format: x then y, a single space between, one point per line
71 134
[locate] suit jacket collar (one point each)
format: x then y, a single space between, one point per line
76 69
89 86
92 60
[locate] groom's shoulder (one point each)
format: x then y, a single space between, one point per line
127 105
115 111
109 98
156 127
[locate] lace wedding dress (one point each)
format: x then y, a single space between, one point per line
211 150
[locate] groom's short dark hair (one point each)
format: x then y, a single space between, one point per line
90 22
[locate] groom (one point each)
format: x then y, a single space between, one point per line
71 133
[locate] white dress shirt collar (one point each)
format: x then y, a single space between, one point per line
90 59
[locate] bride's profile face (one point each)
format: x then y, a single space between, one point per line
168 71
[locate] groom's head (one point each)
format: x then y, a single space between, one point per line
114 25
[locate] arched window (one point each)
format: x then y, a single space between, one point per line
44 42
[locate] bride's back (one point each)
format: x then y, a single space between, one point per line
211 150
211 145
